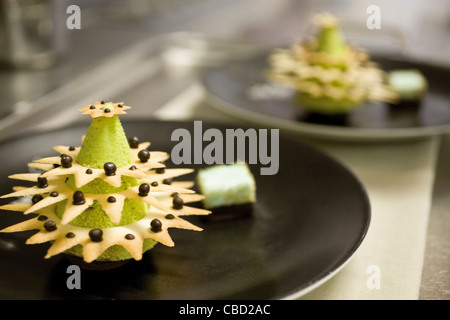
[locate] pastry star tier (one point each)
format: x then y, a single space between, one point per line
109 200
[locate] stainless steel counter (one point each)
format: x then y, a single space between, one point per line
436 270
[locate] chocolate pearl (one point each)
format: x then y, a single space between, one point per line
70 235
107 110
66 161
177 203
110 168
54 194
78 198
133 142
129 236
42 182
175 194
92 107
120 105
71 148
156 225
111 199
50 225
42 218
167 181
144 155
160 170
36 198
89 171
133 167
154 184
169 216
96 235
102 102
144 189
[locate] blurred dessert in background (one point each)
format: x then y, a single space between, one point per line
331 78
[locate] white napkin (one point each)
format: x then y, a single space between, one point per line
398 178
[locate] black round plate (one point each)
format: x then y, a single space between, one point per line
309 220
229 87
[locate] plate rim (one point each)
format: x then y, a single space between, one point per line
333 271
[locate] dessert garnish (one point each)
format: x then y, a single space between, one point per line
229 190
105 200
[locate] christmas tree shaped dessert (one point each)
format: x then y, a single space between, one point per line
329 76
109 200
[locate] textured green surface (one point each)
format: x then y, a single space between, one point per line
105 141
98 186
95 216
114 253
326 105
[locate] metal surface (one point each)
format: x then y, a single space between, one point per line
31 33
436 269
102 59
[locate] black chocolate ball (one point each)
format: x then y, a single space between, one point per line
110 168
36 198
156 225
144 155
144 189
66 161
169 216
78 198
129 236
42 182
96 235
177 203
50 225
133 142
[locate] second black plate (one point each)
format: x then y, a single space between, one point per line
230 89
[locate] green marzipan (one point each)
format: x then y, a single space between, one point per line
105 141
331 41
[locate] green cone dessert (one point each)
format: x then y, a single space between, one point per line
109 200
329 76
